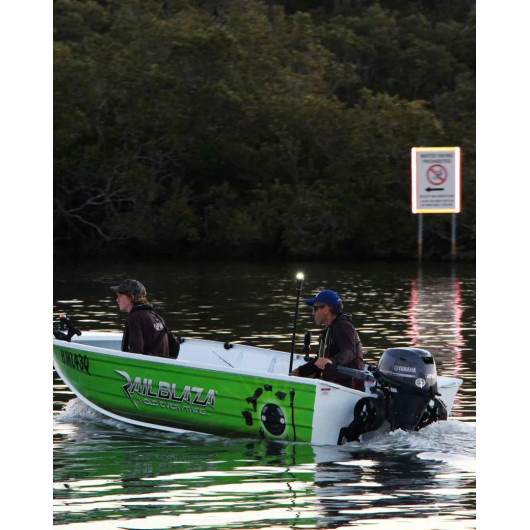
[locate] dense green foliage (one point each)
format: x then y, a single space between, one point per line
249 128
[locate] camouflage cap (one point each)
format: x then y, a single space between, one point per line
132 287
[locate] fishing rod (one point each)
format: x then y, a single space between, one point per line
299 282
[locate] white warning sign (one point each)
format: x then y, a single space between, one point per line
435 179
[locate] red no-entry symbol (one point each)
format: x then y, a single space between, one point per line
437 174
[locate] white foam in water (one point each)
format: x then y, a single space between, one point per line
76 411
449 436
445 437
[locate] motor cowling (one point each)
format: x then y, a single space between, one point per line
409 367
409 376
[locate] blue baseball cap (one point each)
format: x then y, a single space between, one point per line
327 297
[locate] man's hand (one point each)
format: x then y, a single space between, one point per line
321 362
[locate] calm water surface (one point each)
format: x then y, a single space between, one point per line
110 475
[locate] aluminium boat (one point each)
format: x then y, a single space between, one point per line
232 389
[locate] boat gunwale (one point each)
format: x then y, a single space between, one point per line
208 367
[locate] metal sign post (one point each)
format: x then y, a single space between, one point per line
436 187
453 237
420 237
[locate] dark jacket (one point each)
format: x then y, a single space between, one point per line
145 332
342 345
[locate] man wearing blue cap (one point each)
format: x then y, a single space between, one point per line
339 342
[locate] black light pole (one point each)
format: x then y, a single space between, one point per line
299 281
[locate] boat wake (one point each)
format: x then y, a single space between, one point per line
78 412
75 411
452 442
442 435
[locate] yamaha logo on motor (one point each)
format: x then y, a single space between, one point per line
404 369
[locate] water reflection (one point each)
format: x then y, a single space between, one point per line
436 323
133 479
368 490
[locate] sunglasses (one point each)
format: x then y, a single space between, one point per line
317 307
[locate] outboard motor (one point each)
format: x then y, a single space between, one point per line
405 394
409 374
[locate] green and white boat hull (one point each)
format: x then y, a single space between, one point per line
211 388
